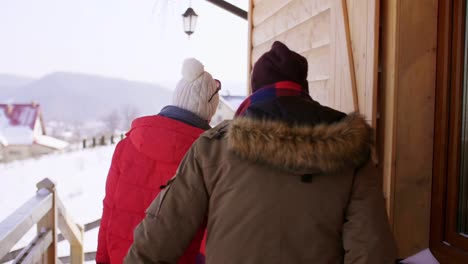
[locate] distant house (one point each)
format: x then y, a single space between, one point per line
227 107
22 133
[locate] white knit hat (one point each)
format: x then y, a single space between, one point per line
195 89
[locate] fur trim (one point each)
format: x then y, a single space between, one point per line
324 148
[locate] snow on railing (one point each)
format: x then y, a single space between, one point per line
47 211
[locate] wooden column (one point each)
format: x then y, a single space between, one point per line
76 249
349 52
49 222
409 68
249 46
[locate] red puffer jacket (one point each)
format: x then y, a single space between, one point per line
142 163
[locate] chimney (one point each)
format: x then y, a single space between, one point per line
9 109
34 104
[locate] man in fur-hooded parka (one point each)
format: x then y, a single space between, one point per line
287 181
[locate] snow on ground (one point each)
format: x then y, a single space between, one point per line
80 181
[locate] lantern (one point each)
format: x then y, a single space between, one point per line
190 21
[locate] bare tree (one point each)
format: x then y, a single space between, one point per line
112 121
128 113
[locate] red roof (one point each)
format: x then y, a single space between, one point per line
21 114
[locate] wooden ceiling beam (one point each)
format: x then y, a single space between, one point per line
230 8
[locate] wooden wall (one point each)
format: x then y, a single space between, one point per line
316 29
407 103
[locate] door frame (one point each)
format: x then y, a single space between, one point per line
445 242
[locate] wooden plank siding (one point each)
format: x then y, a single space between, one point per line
370 104
266 8
341 73
299 38
363 19
297 12
316 30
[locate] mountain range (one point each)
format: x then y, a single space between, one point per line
75 97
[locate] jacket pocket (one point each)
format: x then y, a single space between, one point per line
155 206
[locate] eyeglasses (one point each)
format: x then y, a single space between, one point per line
218 88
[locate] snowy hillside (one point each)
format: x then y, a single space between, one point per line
80 178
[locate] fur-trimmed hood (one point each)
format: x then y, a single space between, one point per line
323 148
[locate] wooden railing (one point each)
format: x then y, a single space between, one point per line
88 256
94 142
47 211
101 141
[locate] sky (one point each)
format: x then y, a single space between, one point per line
136 40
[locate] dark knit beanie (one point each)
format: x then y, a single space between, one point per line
280 64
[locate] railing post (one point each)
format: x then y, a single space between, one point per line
49 222
76 250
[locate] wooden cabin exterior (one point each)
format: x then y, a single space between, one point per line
22 133
401 64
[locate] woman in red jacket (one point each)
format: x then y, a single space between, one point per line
149 156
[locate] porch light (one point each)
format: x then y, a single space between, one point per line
190 21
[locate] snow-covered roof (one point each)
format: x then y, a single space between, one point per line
19 115
233 101
17 123
50 142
